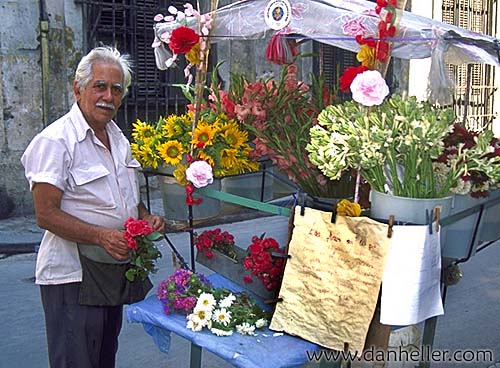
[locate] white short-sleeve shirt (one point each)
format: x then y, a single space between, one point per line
99 186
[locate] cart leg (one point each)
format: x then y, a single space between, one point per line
195 359
428 339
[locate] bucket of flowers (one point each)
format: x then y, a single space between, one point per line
216 249
192 158
396 144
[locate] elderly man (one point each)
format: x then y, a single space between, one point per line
85 186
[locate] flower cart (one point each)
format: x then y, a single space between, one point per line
335 147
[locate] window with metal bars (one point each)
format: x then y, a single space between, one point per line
128 25
474 92
332 62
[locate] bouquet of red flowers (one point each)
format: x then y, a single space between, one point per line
140 237
481 175
262 264
215 239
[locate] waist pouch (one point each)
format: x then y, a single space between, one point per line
105 285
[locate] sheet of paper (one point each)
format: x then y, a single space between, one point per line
332 280
411 285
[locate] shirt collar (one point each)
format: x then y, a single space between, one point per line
82 127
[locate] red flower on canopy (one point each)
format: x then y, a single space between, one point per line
182 40
348 76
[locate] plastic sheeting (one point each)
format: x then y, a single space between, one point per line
335 22
261 351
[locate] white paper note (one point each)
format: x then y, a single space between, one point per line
411 290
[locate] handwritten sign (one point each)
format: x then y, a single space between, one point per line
332 280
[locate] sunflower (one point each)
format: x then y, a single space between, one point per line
206 157
177 127
142 131
229 158
233 136
171 152
146 156
204 133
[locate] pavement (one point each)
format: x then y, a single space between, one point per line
470 322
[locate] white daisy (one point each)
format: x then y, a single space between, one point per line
220 332
206 301
222 316
261 323
203 315
193 324
227 301
245 329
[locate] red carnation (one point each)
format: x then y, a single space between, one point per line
348 76
182 40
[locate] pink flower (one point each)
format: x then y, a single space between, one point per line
353 27
200 174
369 88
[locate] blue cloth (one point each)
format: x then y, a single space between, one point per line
261 351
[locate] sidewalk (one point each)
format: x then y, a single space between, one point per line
20 234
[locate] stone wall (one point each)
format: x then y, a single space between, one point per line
21 101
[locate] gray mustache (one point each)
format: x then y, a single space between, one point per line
105 105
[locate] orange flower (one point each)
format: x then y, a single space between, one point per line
366 56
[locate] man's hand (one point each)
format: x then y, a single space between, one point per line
156 222
114 243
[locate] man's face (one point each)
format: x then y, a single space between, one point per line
102 96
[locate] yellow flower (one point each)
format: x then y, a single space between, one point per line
193 56
177 127
204 133
171 152
142 131
348 208
180 174
147 157
366 56
229 158
206 157
234 136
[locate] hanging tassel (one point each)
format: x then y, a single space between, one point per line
281 50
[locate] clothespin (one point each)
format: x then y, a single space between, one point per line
346 352
273 301
429 219
303 206
437 213
391 224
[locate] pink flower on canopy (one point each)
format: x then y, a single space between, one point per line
369 88
200 174
353 27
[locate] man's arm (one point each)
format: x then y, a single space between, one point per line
49 216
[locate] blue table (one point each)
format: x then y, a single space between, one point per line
261 351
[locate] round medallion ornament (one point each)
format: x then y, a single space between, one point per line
278 14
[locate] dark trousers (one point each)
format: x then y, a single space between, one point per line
79 336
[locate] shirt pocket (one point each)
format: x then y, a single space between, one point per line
92 187
132 192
